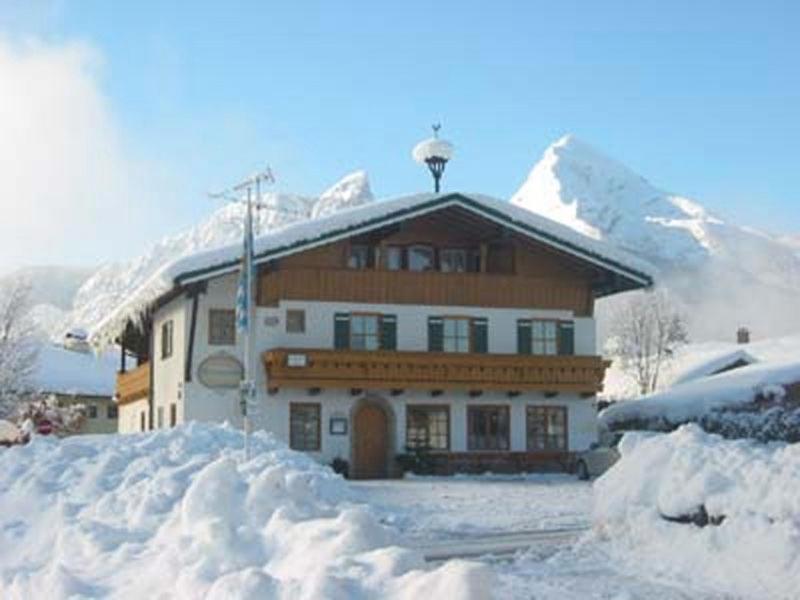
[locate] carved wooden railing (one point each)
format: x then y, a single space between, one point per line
134 384
305 368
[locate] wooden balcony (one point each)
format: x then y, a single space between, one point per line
424 288
433 371
134 384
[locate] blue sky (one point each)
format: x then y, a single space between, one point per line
701 98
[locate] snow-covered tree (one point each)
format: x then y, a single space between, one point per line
645 332
18 344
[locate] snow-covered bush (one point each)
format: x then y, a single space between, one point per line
45 410
749 489
178 514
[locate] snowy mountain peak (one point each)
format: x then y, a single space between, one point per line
351 190
577 185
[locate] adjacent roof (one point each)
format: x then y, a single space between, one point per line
630 272
63 371
717 363
693 399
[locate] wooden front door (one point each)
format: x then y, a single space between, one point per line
370 447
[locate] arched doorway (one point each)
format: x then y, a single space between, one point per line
371 442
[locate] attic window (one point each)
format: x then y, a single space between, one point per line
360 257
420 258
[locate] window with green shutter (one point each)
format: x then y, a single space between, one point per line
388 332
435 334
524 338
480 336
566 338
341 331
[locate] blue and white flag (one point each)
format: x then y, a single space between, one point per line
245 277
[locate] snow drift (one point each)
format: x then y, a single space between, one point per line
753 553
175 514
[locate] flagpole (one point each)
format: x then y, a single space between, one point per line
247 384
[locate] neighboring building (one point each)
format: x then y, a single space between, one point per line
73 375
714 364
457 323
748 390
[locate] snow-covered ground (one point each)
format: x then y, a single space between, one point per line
175 514
464 509
465 506
179 514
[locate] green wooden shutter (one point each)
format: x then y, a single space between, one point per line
480 336
435 334
524 338
566 337
388 332
341 331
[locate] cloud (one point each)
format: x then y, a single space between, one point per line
69 190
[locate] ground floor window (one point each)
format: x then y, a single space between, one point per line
173 414
547 428
487 428
428 427
304 427
112 411
92 411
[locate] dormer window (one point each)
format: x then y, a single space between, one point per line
420 258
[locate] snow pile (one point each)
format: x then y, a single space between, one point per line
173 514
695 399
9 433
753 553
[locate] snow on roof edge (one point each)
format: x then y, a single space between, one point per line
206 263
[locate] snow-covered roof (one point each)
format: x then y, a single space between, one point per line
351 221
432 148
63 371
715 364
693 399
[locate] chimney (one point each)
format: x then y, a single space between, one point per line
743 335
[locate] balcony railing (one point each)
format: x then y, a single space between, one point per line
134 384
300 368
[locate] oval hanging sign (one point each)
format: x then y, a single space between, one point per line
220 372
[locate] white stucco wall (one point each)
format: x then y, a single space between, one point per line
130 416
197 402
168 373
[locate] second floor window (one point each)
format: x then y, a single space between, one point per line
458 334
359 331
166 339
222 327
545 337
